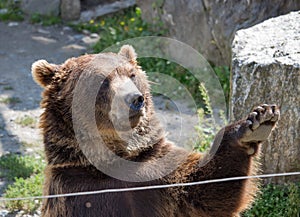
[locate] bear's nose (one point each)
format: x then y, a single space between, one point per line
135 101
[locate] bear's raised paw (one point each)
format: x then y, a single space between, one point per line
260 123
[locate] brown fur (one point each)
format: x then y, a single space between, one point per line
69 170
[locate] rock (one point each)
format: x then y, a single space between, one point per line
67 29
12 24
70 9
86 32
209 26
94 35
43 7
91 39
103 9
266 69
78 36
44 40
3 212
88 4
73 47
42 31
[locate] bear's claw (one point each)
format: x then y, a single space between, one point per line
262 114
260 123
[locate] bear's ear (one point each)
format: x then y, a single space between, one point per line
128 52
43 72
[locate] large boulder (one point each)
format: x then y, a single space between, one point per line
266 69
70 9
43 7
209 25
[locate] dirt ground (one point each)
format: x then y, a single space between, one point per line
23 43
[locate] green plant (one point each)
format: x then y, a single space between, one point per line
30 145
26 175
10 100
16 166
277 201
26 121
45 20
207 126
223 74
11 10
8 88
182 75
29 187
119 27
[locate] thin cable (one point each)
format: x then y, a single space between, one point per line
116 190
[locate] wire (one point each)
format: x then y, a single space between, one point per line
117 190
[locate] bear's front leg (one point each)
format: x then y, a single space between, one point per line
232 155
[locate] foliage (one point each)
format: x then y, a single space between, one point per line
26 175
45 20
11 11
26 121
8 88
277 201
182 75
207 127
223 74
29 187
10 100
16 166
119 27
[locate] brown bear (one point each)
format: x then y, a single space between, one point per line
122 103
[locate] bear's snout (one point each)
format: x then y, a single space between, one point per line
135 101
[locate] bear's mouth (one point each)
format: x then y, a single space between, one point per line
126 122
133 114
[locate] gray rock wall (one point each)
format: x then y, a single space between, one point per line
209 25
266 69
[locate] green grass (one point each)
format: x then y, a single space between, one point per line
29 187
207 127
13 12
277 201
16 166
26 121
119 27
45 20
26 175
8 88
10 100
30 145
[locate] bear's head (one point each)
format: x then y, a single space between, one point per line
107 90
